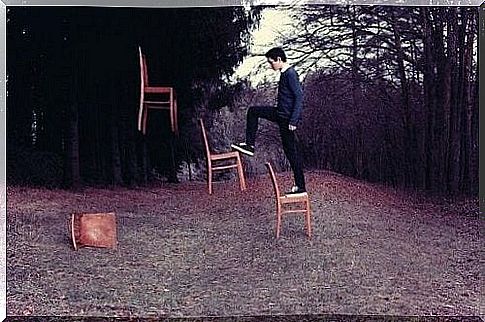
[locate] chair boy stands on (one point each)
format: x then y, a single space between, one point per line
155 97
216 157
282 200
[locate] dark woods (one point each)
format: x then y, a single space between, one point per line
399 105
73 88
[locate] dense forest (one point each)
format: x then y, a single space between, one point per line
391 93
73 88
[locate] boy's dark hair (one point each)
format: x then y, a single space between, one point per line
276 52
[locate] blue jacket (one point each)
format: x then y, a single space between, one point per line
290 96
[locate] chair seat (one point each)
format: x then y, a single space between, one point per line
294 197
224 155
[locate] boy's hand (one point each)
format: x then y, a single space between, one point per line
292 127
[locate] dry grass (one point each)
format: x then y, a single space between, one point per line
182 252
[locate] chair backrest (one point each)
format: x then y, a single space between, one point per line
143 69
142 90
273 180
206 142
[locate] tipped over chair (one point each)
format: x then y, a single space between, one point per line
155 97
284 200
93 230
212 158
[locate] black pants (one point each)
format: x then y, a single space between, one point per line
287 137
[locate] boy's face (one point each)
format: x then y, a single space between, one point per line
275 64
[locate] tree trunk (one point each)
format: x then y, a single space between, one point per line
72 165
469 32
429 100
443 97
409 140
454 92
69 84
358 139
115 151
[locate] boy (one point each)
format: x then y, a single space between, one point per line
286 114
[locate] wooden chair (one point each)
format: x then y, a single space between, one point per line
93 230
282 200
155 97
216 157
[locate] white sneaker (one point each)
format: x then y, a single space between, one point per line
296 190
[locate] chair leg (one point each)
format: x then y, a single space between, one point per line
209 178
242 181
172 123
175 122
140 118
308 219
144 122
278 221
